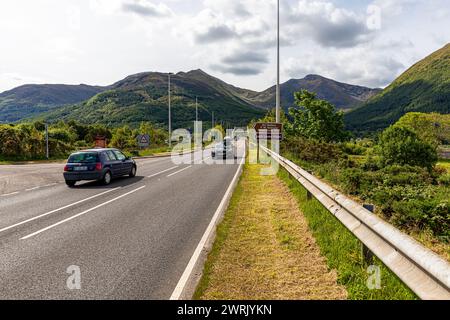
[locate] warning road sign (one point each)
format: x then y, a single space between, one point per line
143 140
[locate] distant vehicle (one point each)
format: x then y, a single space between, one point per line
225 149
98 164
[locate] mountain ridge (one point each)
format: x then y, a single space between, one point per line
151 87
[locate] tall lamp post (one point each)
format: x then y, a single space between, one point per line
47 153
278 64
170 115
196 109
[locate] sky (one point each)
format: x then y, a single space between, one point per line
98 42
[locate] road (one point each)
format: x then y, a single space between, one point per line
129 240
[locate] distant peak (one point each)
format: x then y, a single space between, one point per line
197 71
313 77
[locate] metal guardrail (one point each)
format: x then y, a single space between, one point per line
423 271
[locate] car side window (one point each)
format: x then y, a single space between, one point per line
119 155
110 156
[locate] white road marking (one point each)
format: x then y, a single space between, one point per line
179 171
50 185
80 214
31 189
206 159
161 172
207 236
10 194
57 210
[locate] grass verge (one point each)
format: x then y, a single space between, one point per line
343 251
264 250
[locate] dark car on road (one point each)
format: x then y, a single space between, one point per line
225 149
98 164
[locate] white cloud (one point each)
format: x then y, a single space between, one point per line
366 66
328 25
101 41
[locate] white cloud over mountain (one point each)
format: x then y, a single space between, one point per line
367 42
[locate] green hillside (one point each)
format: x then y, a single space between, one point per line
143 97
34 99
425 87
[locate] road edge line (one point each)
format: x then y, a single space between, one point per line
191 276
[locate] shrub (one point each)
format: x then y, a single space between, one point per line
402 146
444 179
316 152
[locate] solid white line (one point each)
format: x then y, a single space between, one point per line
179 171
206 159
164 171
10 194
31 189
50 185
182 283
80 214
56 210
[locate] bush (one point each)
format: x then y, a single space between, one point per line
402 146
444 180
314 151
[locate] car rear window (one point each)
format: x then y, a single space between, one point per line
84 157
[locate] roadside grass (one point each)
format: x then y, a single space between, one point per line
154 151
444 163
264 250
343 251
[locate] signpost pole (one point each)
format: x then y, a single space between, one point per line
46 142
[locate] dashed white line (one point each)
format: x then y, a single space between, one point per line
80 214
31 189
10 194
161 172
57 210
179 171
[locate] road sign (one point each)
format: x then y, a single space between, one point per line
143 140
269 131
100 141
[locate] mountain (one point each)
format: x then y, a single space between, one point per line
31 100
425 87
144 97
343 96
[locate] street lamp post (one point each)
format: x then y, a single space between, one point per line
278 64
170 116
196 109
47 153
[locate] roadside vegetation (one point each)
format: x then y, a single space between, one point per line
26 141
264 250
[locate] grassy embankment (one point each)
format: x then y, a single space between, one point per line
267 249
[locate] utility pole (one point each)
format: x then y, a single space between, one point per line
278 65
196 109
46 142
170 116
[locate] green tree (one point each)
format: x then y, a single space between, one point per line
123 138
316 119
399 145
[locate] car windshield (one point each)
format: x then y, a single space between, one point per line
84 157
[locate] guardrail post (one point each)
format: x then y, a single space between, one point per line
367 255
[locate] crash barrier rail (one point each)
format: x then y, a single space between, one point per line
424 272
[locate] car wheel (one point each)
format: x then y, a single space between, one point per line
107 178
71 184
133 172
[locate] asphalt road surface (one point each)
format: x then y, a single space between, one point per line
129 240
